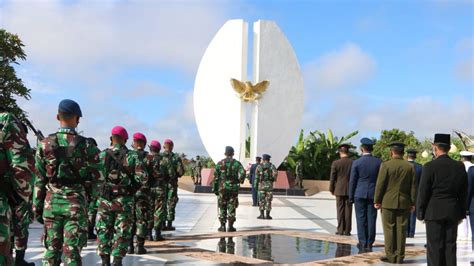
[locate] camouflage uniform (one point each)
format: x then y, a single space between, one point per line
91 194
158 185
122 178
172 168
16 172
228 175
21 220
197 171
299 174
64 161
265 175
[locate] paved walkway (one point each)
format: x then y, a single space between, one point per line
197 215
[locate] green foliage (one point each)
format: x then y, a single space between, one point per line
317 151
381 148
247 142
11 51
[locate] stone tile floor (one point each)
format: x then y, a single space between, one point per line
196 241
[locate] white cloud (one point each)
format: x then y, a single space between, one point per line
345 67
464 70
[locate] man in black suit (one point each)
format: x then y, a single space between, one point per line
470 201
441 202
253 167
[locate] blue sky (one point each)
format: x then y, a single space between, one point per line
368 65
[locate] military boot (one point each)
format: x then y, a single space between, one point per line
158 236
261 215
91 234
105 260
268 216
222 228
170 226
231 227
141 245
117 261
20 259
131 248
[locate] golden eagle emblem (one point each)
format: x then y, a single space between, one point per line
247 91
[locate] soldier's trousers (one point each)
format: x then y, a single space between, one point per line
65 228
394 222
92 211
227 202
172 200
159 205
344 215
114 226
142 215
265 198
5 232
22 216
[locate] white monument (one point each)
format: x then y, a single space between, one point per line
275 116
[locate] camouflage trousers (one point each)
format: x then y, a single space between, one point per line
114 226
65 228
159 205
5 232
21 219
171 200
227 203
141 215
92 211
265 198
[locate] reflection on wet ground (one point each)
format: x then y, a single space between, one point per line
277 248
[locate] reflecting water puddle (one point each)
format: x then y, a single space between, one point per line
277 248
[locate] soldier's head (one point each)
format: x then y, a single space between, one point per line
168 145
411 154
119 135
266 157
229 151
155 146
69 113
343 150
366 145
397 149
441 144
139 141
258 159
466 156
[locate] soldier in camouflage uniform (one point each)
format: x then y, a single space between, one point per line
123 174
265 175
172 168
91 192
197 170
299 173
141 207
16 183
64 162
229 174
21 220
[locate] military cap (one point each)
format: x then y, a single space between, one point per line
396 144
139 136
120 131
367 141
412 151
155 144
70 107
229 150
266 157
442 139
466 154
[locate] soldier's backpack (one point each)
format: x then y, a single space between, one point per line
114 164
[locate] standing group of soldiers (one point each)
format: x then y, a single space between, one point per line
436 193
70 182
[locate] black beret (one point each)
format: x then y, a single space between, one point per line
266 157
69 107
229 150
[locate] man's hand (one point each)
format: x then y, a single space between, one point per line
377 206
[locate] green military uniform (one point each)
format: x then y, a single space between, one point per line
172 168
265 175
228 175
395 191
64 161
123 176
299 174
158 186
197 171
16 177
21 220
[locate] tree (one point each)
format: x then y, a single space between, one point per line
11 52
317 151
381 148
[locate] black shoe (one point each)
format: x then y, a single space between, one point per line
158 236
131 249
385 259
117 261
140 246
337 233
105 260
346 234
262 216
20 259
222 228
170 226
91 234
231 227
268 217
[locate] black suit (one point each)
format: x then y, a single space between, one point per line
441 204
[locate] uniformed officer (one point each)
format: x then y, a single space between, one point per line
65 161
441 202
265 174
197 170
395 193
339 187
364 173
229 174
251 177
411 157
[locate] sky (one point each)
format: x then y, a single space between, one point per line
367 65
